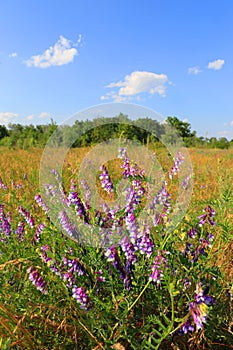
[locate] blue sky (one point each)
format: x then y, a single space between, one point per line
175 57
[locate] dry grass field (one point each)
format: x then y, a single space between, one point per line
212 185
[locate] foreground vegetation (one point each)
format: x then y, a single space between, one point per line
169 289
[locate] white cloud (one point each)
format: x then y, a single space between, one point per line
223 133
6 117
194 70
30 117
216 65
13 55
63 52
136 83
44 115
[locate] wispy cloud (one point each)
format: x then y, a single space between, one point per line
7 117
63 52
231 123
194 70
13 55
216 65
136 83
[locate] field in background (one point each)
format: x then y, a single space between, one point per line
212 169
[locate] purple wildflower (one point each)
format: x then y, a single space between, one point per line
20 230
199 307
105 180
37 280
145 243
39 230
73 199
44 256
5 226
161 206
66 224
132 199
132 227
27 216
51 190
130 169
81 297
176 166
74 266
129 250
158 266
186 327
186 180
69 278
73 186
87 194
99 277
41 203
113 256
208 216
192 233
204 243
2 185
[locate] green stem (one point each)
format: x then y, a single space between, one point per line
92 335
139 296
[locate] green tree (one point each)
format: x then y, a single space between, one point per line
3 132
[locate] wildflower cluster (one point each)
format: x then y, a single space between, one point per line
37 280
5 226
69 271
198 309
136 255
158 266
198 241
27 216
105 180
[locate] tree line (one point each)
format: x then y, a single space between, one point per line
89 132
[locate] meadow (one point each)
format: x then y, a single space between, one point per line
154 291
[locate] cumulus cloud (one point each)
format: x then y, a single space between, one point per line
13 55
136 83
30 117
44 115
6 117
194 70
216 65
223 133
63 52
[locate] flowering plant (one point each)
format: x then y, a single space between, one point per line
138 290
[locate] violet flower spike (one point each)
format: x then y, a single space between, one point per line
81 297
41 203
2 185
207 217
20 231
39 230
37 280
27 216
105 180
199 307
5 226
158 266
